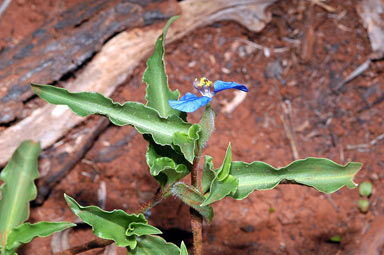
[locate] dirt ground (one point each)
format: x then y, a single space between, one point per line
293 83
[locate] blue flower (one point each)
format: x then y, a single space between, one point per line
190 102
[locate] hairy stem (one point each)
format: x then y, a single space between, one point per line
153 202
100 243
197 230
196 218
194 171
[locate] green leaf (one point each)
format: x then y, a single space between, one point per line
111 225
24 233
183 249
365 189
322 174
187 142
140 229
18 188
208 174
223 171
8 252
158 92
207 124
220 189
171 131
154 245
363 205
335 239
165 165
192 197
223 183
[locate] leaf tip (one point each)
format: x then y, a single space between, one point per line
71 224
36 88
183 249
70 201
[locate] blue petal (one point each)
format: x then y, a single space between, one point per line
189 102
188 96
223 85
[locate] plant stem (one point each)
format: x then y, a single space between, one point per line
194 171
197 230
100 243
196 218
156 199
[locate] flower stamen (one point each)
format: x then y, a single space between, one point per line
204 86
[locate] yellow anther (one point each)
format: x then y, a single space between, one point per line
204 82
203 85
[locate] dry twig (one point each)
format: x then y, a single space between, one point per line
365 146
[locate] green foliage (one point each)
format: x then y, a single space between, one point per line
223 171
243 178
165 165
192 197
187 141
24 233
223 183
170 131
322 174
158 92
172 153
17 191
208 174
335 239
183 249
363 205
221 189
18 188
141 229
115 225
365 189
154 245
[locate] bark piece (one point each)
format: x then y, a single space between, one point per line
57 161
66 42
